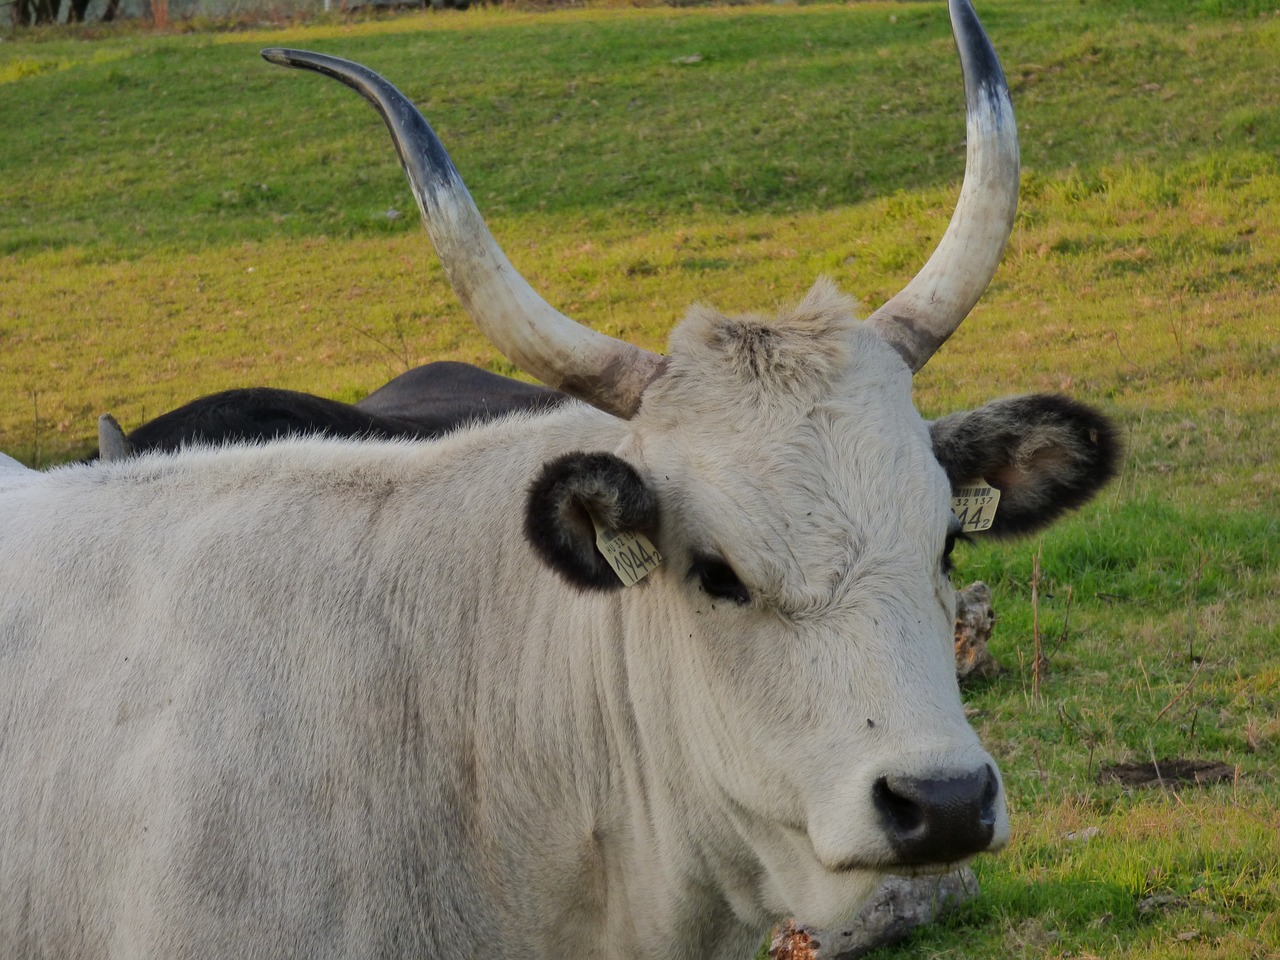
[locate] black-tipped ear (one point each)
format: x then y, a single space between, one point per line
571 490
1045 453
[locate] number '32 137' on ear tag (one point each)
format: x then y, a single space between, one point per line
631 555
975 506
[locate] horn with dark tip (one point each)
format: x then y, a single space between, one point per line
607 373
112 443
929 309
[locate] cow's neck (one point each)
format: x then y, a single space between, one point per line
570 714
563 731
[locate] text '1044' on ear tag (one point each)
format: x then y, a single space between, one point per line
631 555
975 506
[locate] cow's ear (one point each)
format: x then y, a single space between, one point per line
1045 453
112 443
573 493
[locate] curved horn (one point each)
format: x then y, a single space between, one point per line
930 308
607 373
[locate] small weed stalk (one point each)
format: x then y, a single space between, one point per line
1177 336
1037 662
1193 591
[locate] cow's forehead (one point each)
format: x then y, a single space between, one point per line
796 472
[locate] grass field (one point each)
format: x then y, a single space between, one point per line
177 216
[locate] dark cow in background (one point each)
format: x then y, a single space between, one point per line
424 403
440 396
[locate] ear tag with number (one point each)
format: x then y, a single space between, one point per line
975 506
631 555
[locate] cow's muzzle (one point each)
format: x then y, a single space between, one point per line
937 821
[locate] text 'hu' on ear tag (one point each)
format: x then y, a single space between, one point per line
631 555
975 506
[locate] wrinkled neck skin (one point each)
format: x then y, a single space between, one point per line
582 718
634 851
645 854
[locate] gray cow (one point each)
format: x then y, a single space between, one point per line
321 698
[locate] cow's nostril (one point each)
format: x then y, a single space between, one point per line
937 820
987 814
903 815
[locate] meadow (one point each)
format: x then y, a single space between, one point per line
178 217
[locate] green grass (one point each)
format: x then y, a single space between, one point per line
177 217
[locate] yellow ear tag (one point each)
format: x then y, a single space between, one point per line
975 507
631 555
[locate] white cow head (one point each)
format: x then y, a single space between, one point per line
796 674
803 510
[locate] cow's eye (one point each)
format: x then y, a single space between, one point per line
718 580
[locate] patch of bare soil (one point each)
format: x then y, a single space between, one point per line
1169 774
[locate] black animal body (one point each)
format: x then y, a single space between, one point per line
424 403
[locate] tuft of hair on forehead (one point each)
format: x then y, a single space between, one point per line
797 356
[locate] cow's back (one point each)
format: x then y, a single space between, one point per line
253 738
